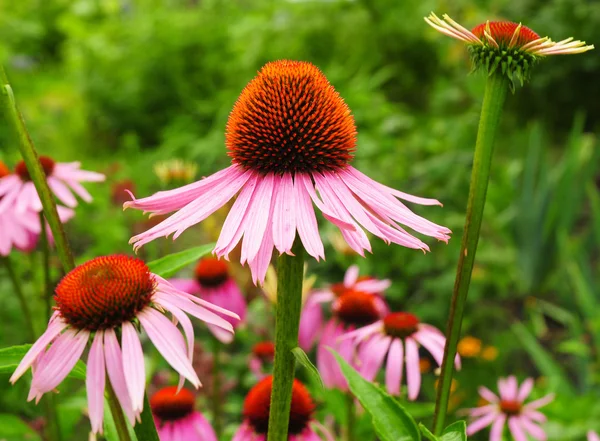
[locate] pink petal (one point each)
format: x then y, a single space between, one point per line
363 333
525 389
436 351
534 415
62 192
133 366
203 427
488 395
258 216
413 372
306 221
592 436
79 190
482 422
190 286
284 215
351 276
373 286
325 211
533 429
311 322
516 430
540 402
497 428
482 410
395 363
116 376
260 264
372 357
95 382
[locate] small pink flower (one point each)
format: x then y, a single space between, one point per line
291 138
176 419
510 407
262 353
100 300
351 310
398 335
63 179
214 284
311 320
592 436
257 405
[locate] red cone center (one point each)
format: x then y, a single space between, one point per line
46 163
510 407
211 272
265 350
400 324
356 308
258 403
104 292
168 405
503 31
289 118
4 171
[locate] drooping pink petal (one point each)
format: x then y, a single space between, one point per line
79 190
187 285
539 402
533 429
393 370
95 382
516 430
525 389
424 339
114 368
413 372
482 422
488 395
373 286
284 214
497 428
133 365
351 276
306 221
260 263
325 210
311 322
534 415
259 211
203 427
482 410
372 357
62 192
363 333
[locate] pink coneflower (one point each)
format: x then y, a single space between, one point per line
176 419
63 178
509 407
214 284
99 300
398 335
257 406
289 135
311 320
262 353
351 310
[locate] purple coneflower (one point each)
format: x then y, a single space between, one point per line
291 138
99 300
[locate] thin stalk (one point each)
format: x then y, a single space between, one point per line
351 413
493 102
47 286
12 275
287 320
117 412
217 405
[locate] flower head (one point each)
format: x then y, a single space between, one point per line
509 407
175 416
96 302
505 46
256 410
291 139
262 353
63 178
397 335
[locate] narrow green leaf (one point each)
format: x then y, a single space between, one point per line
390 419
168 265
427 433
11 357
12 428
455 432
303 359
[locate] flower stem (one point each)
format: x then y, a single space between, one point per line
47 286
217 406
117 412
287 320
12 275
351 414
493 102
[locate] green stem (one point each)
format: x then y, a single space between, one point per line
47 288
146 430
52 429
30 156
351 413
12 275
493 102
217 407
117 412
287 320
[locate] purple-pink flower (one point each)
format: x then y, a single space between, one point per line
291 138
100 300
176 419
510 409
64 179
398 335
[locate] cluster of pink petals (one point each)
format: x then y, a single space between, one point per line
540 47
311 320
271 209
57 351
63 181
192 427
247 433
226 295
371 345
524 422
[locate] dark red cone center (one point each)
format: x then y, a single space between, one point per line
503 31
211 272
510 407
356 308
168 405
265 350
104 292
46 163
400 324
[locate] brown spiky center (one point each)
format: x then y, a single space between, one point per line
510 407
265 350
503 32
4 170
104 292
289 118
258 404
168 405
400 324
46 163
356 308
211 272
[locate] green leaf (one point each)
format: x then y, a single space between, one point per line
427 433
169 265
11 357
303 359
390 419
12 428
455 432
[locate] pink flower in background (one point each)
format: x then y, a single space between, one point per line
214 284
592 436
262 353
398 335
257 405
176 419
510 408
291 138
311 320
18 190
353 309
102 298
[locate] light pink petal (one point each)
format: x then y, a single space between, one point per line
79 190
534 415
413 371
326 434
284 214
203 427
168 340
373 286
516 430
114 368
25 200
482 410
9 183
133 366
373 355
311 322
424 338
482 422
362 333
11 193
351 276
259 211
592 436
62 192
306 221
95 382
497 428
395 363
540 402
488 395
190 286
525 389
260 264
325 211
70 171
533 429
